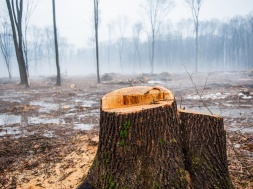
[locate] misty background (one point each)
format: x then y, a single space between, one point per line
225 37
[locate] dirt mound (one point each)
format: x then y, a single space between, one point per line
141 79
108 77
251 73
164 76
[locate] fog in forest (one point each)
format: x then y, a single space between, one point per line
223 45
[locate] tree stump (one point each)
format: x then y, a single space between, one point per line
204 148
144 144
139 144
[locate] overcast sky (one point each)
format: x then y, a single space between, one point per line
74 17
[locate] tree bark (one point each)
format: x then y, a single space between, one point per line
139 146
96 37
58 77
145 142
16 25
204 148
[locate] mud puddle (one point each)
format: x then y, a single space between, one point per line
83 127
8 119
46 107
78 115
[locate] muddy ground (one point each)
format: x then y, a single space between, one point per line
49 134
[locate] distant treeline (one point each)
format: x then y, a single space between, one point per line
223 46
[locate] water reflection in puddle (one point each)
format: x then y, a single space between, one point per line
35 120
243 130
212 96
9 131
46 107
6 119
85 103
13 96
9 119
156 82
83 127
88 103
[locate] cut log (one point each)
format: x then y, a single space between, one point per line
139 144
145 142
204 147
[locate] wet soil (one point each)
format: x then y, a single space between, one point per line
49 134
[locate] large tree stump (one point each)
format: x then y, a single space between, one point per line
139 144
144 144
204 147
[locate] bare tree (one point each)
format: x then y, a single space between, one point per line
5 45
58 79
15 10
109 26
121 27
49 45
96 15
195 6
63 49
137 28
29 8
37 44
156 11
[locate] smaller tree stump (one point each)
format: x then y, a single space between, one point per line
204 148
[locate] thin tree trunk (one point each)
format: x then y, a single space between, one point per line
8 67
224 54
58 79
152 57
6 54
197 48
96 37
152 52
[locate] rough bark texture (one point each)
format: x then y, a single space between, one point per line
144 144
58 77
16 25
204 147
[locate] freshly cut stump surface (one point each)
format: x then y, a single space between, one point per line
144 144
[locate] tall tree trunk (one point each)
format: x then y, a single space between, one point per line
197 47
16 25
96 37
152 51
58 78
146 143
